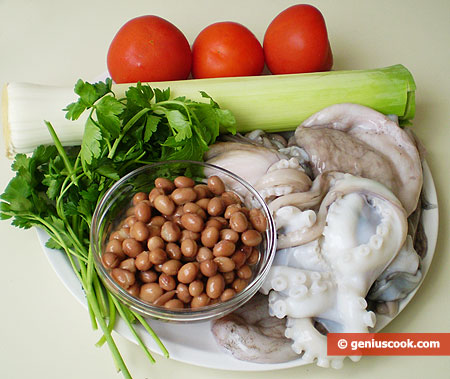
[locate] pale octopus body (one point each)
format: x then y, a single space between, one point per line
341 219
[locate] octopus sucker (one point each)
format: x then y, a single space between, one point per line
340 193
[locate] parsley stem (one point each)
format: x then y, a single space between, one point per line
100 295
149 329
181 104
133 331
125 129
111 321
61 151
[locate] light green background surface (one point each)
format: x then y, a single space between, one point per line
45 333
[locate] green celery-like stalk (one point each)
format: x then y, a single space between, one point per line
270 102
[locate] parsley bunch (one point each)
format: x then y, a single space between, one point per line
58 188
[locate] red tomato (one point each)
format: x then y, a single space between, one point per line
149 49
226 49
297 41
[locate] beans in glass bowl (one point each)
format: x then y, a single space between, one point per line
185 244
162 240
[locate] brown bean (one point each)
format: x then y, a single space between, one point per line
179 211
246 211
157 256
174 304
183 195
148 276
150 292
157 221
245 272
229 235
164 298
176 220
215 185
119 235
139 231
158 268
171 267
155 242
115 247
183 182
202 191
143 211
194 208
138 197
173 251
131 247
215 286
208 267
229 277
129 212
187 273
196 288
201 300
258 220
203 203
247 250
192 222
183 293
239 258
170 232
189 248
154 193
253 258
134 289
224 248
143 261
224 264
167 282
227 294
232 208
154 230
123 278
212 222
164 204
129 221
251 237
238 222
128 264
199 273
187 234
216 206
239 284
204 254
230 197
110 260
214 301
164 184
210 236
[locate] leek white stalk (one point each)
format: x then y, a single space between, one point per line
272 102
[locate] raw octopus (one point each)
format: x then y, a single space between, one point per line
340 190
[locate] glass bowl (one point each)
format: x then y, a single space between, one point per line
119 198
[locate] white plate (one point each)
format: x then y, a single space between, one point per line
194 344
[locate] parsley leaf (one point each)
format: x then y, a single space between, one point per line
90 146
179 122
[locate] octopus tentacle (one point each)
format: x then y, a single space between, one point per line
310 342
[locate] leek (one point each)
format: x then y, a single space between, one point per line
273 103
